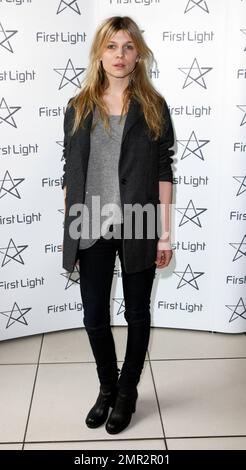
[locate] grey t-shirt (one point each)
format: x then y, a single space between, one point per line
102 182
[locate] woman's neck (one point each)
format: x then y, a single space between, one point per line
116 87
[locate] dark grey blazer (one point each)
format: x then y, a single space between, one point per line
143 163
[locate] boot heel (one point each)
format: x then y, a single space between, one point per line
134 402
134 406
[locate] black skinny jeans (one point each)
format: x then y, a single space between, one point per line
96 273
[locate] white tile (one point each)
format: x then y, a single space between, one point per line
10 446
66 346
20 350
145 444
74 346
15 395
202 397
215 443
185 344
65 393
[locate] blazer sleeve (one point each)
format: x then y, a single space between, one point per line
166 142
69 114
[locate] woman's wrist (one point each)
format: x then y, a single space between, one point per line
165 241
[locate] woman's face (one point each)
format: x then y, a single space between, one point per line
120 55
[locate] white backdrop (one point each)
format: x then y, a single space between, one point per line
200 50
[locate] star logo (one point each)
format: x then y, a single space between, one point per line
5 35
188 277
16 314
72 4
240 248
60 143
9 185
193 146
190 214
6 113
202 4
238 310
12 252
195 74
244 32
121 304
69 74
242 108
242 181
72 278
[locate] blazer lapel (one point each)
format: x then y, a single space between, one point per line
134 113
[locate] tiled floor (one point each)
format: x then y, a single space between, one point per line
192 393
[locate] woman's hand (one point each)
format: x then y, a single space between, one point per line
164 254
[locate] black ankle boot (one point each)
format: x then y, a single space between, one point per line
121 414
99 412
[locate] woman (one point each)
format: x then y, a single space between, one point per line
117 139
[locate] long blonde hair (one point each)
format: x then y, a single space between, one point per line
139 87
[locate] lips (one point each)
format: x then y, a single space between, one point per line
119 65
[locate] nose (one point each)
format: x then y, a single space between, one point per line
120 52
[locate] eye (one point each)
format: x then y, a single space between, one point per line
110 46
129 46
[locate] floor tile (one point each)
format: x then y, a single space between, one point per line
202 398
65 393
216 443
74 346
185 344
10 447
66 346
145 444
20 350
15 396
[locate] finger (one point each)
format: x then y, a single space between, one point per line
167 258
158 257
